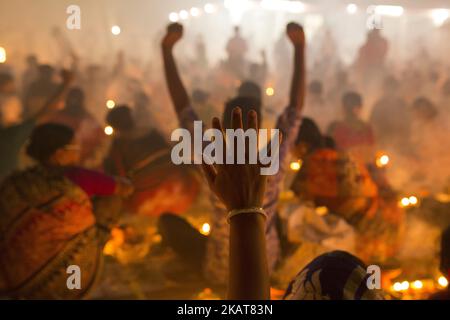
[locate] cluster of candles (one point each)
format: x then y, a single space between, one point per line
416 287
406 202
110 104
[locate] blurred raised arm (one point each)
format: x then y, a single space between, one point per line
297 37
178 93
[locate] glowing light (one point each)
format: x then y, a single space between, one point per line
439 16
115 30
413 200
195 12
209 8
443 282
393 11
270 91
322 211
184 14
404 202
283 5
110 104
383 161
352 8
237 8
109 130
296 166
405 285
397 286
417 284
2 55
205 229
173 17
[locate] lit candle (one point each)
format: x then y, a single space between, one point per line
109 130
205 229
2 55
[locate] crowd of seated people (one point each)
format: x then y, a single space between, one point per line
64 184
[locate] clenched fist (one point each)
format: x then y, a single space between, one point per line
296 34
173 35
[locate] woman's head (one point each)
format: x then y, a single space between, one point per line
315 88
46 72
6 83
54 144
352 104
75 101
336 275
249 89
246 104
424 109
121 119
309 138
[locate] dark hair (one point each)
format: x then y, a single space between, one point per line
120 118
309 133
246 104
445 251
249 89
199 96
425 106
351 100
75 102
329 275
46 139
5 78
46 71
316 87
329 143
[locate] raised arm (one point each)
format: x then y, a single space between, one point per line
297 37
52 103
241 188
178 93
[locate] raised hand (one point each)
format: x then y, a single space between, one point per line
239 186
173 35
296 34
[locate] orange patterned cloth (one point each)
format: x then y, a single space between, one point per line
46 224
333 179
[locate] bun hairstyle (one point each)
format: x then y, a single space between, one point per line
46 139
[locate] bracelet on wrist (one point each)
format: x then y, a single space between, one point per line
236 212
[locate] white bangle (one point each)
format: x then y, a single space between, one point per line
236 212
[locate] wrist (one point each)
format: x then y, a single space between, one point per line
167 48
249 211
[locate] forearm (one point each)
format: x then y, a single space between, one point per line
298 84
249 275
50 104
178 93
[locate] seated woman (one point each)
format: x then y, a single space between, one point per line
334 179
144 156
47 222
